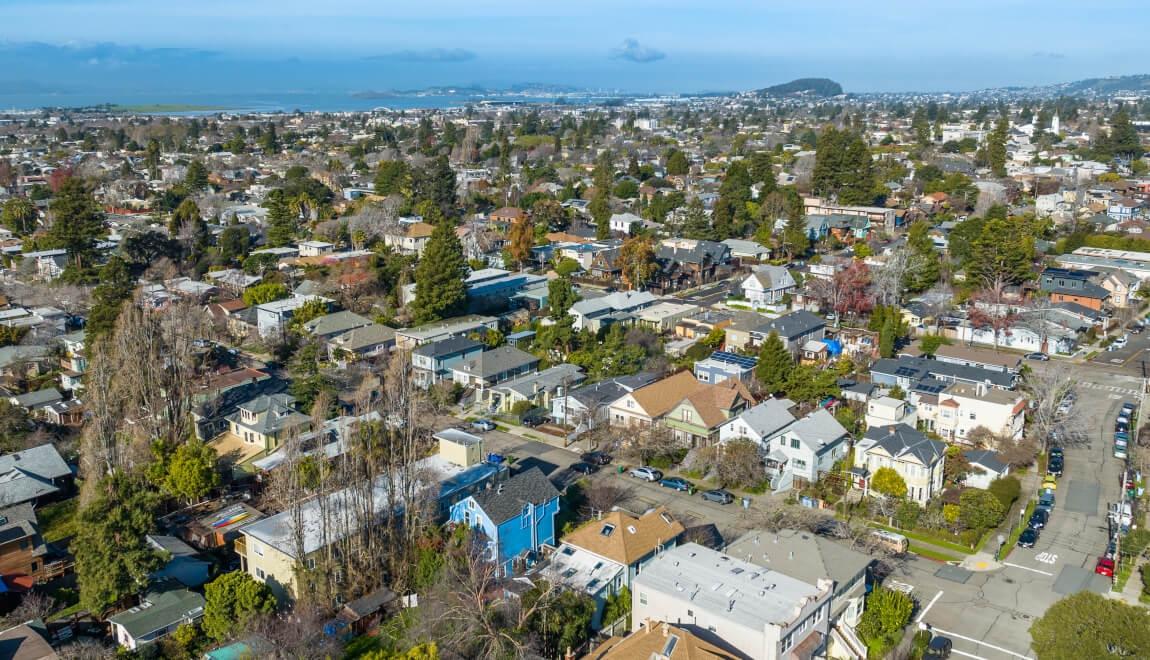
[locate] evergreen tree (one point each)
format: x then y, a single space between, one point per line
996 147
282 219
775 364
1123 139
20 216
677 163
77 222
920 124
601 214
234 243
231 600
923 265
886 337
393 177
269 141
439 276
152 159
113 558
696 224
196 178
844 168
191 472
435 182
560 297
115 287
186 214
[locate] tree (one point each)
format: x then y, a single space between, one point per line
560 297
738 464
20 215
1007 489
1003 252
186 214
887 482
231 601
637 261
196 178
1123 140
435 183
1088 625
775 364
234 243
440 291
77 222
923 266
677 164
551 215
113 558
393 177
15 425
956 466
282 219
600 211
264 293
844 168
115 287
191 472
929 344
696 224
520 240
996 147
979 509
887 613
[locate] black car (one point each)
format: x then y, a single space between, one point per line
596 458
1038 519
1029 538
718 495
1056 452
584 468
1055 467
1041 357
939 648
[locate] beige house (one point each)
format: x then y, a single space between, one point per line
409 239
1123 288
260 425
963 407
886 411
647 405
915 457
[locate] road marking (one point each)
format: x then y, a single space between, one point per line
1027 568
1046 557
928 606
900 586
981 643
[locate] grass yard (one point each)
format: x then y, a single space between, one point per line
58 520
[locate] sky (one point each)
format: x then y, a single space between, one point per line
341 46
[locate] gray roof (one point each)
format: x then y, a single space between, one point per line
365 337
450 346
506 501
773 277
744 593
12 354
917 368
27 475
818 430
769 417
160 609
606 391
333 324
900 440
795 324
547 380
496 361
987 459
800 555
170 544
274 412
38 398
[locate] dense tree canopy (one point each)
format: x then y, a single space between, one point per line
439 288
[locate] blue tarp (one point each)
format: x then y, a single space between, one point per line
834 347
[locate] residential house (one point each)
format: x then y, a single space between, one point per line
22 549
222 396
516 517
361 343
687 262
220 528
964 407
905 371
887 411
623 223
34 401
36 475
696 419
409 238
985 467
648 405
1123 288
804 451
809 557
795 329
259 425
1076 286
763 614
74 361
433 362
722 366
883 218
183 564
408 339
587 407
538 388
662 640
234 317
508 215
161 610
915 457
663 317
272 319
595 314
315 248
745 250
603 556
767 286
762 423
331 325
493 367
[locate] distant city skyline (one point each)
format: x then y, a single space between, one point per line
671 46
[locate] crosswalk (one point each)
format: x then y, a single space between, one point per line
1108 388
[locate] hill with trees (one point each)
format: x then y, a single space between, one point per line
804 86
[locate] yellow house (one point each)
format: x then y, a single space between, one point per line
260 425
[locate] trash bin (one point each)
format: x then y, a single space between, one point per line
618 469
746 502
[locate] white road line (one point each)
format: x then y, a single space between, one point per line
982 643
1027 568
928 606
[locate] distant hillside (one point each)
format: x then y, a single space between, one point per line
1139 83
806 86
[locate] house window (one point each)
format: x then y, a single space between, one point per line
972 415
642 598
525 520
257 548
818 615
260 573
630 403
311 563
687 415
794 443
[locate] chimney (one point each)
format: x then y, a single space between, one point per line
665 627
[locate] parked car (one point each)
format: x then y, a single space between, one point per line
1056 452
534 417
1049 483
483 425
1136 329
646 473
1028 538
676 483
718 495
1042 357
1104 567
596 458
584 468
1038 519
1054 467
1065 406
1120 343
1046 501
939 648
1112 550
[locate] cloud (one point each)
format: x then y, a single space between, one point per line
1048 55
632 51
446 55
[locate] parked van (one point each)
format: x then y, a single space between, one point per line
893 542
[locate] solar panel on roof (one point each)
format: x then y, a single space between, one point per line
734 358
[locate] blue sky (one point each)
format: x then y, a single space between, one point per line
637 45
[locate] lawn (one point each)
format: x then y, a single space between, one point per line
930 553
926 538
58 520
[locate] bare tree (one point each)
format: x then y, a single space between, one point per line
1047 385
34 605
86 648
889 278
604 495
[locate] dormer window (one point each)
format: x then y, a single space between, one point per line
607 530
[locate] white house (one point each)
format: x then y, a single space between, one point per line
986 466
915 457
963 407
761 613
315 248
623 222
885 411
766 285
797 451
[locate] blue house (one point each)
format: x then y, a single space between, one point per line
516 516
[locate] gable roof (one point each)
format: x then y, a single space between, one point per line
712 401
818 430
657 399
795 324
769 417
158 610
449 346
772 277
28 474
987 459
496 361
506 501
661 640
630 537
901 441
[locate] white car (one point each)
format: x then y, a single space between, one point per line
646 473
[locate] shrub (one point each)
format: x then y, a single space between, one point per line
1145 579
1007 489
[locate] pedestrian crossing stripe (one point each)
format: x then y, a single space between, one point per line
1109 388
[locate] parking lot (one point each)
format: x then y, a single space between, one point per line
988 615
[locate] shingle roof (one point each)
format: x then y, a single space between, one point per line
713 401
160 610
657 399
506 501
818 430
26 475
901 440
449 346
795 324
630 538
496 361
987 459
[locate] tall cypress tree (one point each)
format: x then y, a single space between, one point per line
77 222
775 364
439 288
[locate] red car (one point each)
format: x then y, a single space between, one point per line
1105 567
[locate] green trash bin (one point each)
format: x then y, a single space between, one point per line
618 469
